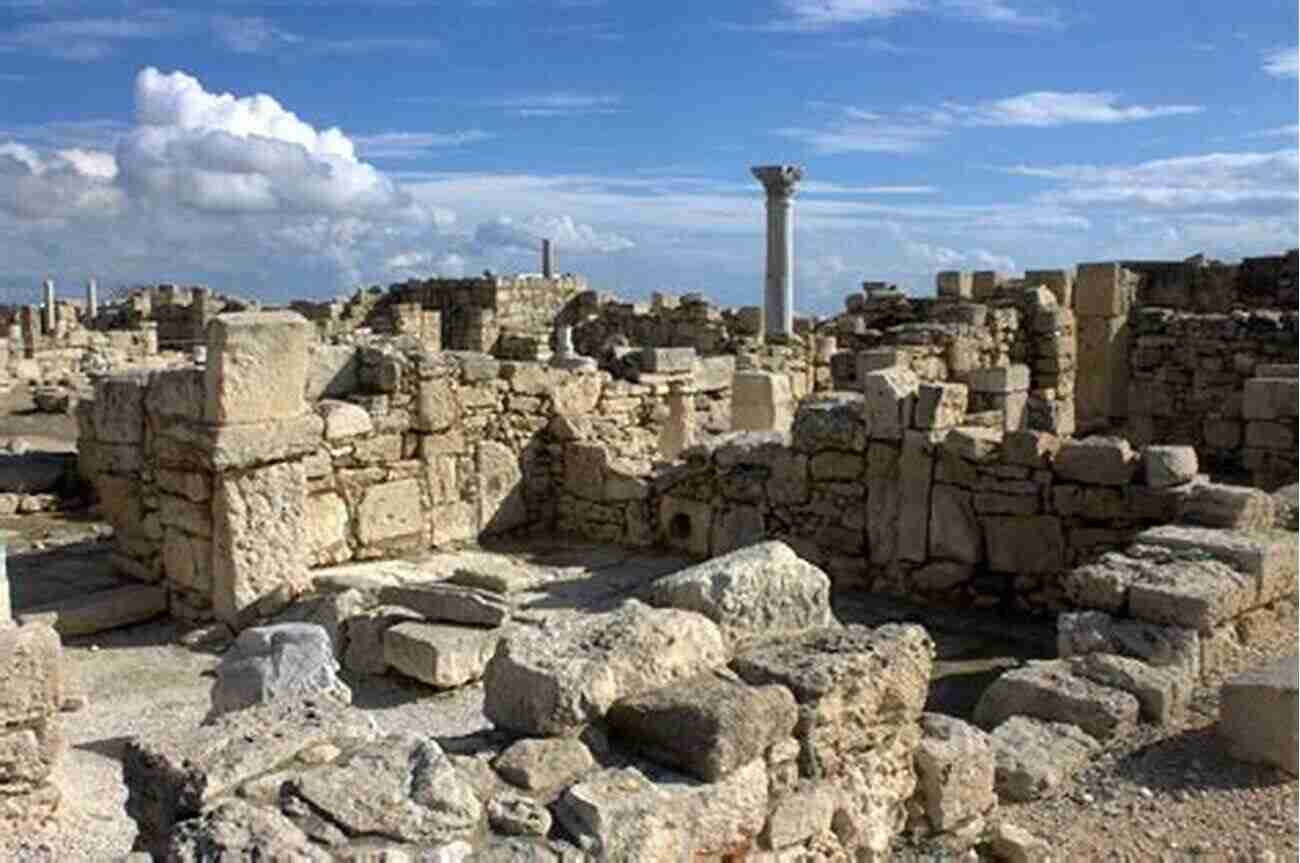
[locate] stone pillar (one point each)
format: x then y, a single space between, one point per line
547 263
253 385
1103 295
92 300
6 610
780 182
679 430
48 321
1005 389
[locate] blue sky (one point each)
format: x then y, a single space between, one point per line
300 149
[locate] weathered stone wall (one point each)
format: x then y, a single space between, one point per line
691 321
1197 285
890 491
1188 380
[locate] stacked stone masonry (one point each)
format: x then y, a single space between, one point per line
31 739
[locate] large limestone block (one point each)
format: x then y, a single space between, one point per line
1096 460
1167 466
1034 757
884 500
761 401
1162 692
258 538
437 654
390 511
1000 380
1213 504
118 409
1025 545
708 726
98 611
1197 594
344 420
555 682
1257 715
402 786
256 367
1269 558
889 396
829 422
238 830
450 603
31 673
437 408
856 688
500 488
544 764
284 660
916 473
940 405
761 590
1049 690
955 770
174 771
955 532
1103 290
667 360
1269 398
1084 632
325 523
331 371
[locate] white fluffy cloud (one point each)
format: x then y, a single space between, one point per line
508 234
56 185
1283 62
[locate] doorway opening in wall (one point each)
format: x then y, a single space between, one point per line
679 527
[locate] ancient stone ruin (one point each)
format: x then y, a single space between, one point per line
1109 451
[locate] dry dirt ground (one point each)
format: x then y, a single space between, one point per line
1162 794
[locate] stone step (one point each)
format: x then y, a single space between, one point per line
1050 690
1162 693
438 654
1033 757
103 609
450 603
1268 557
1197 594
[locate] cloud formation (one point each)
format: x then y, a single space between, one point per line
813 16
1283 62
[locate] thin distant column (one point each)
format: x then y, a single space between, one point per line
780 182
92 299
49 318
547 263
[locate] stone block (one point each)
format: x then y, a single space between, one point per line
1059 282
1049 690
437 408
544 764
1269 398
685 525
89 613
1033 545
1197 594
736 527
344 419
440 655
955 532
800 815
550 683
453 523
1162 693
258 536
1103 290
955 772
953 284
879 359
331 371
1096 460
256 367
31 673
1277 370
707 726
888 400
390 511
1083 632
118 409
1237 507
1267 435
668 360
757 591
1167 466
281 661
1034 757
830 422
1257 715
973 443
940 406
714 373
450 603
761 401
500 488
985 283
999 379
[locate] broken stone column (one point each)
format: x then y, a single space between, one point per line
780 183
49 319
679 430
1103 295
92 299
547 263
761 401
31 742
254 380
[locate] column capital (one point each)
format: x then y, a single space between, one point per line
780 181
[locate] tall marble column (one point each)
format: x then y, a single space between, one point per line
780 182
92 300
49 312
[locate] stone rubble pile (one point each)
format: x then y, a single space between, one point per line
31 737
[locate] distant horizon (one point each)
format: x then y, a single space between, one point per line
302 149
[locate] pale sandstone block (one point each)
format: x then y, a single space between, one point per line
888 399
325 523
1103 290
940 406
761 401
500 488
389 511
256 367
954 285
